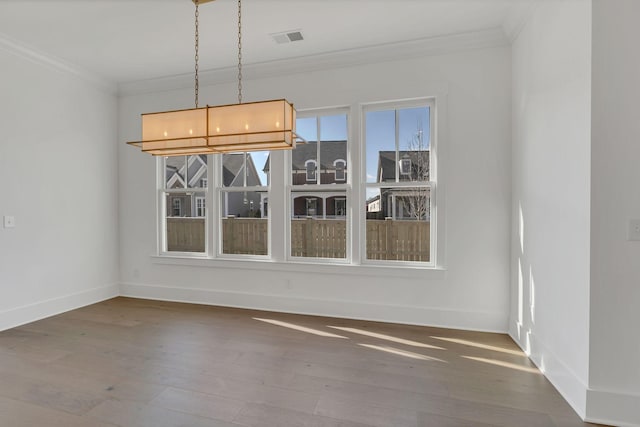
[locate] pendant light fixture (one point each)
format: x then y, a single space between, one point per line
252 126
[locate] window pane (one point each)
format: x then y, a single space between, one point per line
333 146
304 163
414 144
185 227
398 224
414 128
318 225
186 171
174 172
307 128
241 169
244 223
380 134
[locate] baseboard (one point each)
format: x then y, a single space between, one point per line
41 309
613 408
568 384
411 315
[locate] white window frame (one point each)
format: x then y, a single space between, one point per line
327 190
280 205
163 189
217 218
434 251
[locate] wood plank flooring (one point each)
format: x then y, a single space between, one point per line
129 362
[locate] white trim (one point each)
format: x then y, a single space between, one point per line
404 314
564 379
39 310
482 39
519 15
51 62
613 408
396 269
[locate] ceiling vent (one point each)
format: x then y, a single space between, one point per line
287 36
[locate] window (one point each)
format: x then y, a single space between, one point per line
316 229
405 165
177 206
310 166
340 206
391 170
200 206
183 209
244 227
399 183
339 170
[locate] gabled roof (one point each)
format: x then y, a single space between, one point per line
232 166
175 170
387 165
330 151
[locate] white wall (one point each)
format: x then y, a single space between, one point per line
551 194
58 173
472 292
615 198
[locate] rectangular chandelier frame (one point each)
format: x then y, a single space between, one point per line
251 126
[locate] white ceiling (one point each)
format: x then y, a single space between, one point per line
128 40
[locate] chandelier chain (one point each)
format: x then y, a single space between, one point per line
239 51
197 46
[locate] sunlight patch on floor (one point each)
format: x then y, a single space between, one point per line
403 353
300 328
387 337
482 346
504 364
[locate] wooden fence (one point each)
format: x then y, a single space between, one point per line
245 236
398 240
319 238
185 234
310 237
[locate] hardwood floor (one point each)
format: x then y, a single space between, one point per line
128 362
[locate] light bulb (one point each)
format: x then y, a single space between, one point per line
166 134
277 124
218 129
246 126
190 131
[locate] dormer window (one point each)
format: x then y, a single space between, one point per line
340 167
310 166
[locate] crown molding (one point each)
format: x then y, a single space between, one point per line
51 62
519 15
339 59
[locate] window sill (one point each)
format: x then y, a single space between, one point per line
403 271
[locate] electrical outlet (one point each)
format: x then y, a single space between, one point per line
634 229
9 221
